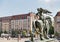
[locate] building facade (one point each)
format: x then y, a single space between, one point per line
57 22
23 21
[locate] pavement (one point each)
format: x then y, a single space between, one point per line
13 40
25 39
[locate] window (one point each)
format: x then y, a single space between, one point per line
58 19
25 17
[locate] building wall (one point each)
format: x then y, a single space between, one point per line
0 25
57 23
17 22
5 26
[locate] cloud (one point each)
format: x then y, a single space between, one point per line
50 3
47 1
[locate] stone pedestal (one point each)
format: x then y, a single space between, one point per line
45 40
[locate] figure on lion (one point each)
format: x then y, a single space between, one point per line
40 28
40 24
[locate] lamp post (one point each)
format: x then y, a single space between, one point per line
31 34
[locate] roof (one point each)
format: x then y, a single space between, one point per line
20 16
58 13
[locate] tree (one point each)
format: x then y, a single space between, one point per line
1 33
24 32
13 33
5 32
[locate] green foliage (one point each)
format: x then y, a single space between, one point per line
1 33
24 33
51 30
15 33
5 32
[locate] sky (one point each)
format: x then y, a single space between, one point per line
14 7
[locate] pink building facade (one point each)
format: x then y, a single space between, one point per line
57 22
22 21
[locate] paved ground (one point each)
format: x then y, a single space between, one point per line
22 40
13 40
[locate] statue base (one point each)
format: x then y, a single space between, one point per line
45 40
